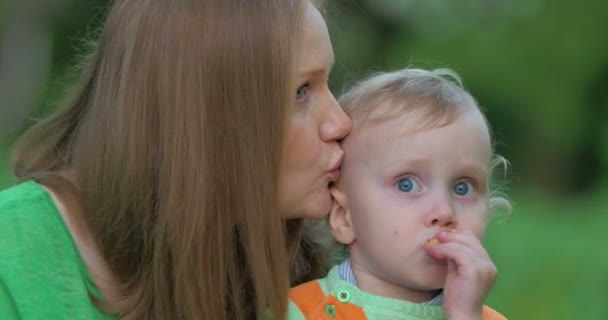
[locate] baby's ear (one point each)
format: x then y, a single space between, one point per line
339 218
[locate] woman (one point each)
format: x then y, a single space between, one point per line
172 185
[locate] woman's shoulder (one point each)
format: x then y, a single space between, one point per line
28 194
31 227
32 230
41 272
28 218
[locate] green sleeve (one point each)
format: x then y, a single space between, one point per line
8 309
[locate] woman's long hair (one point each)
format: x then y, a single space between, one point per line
173 134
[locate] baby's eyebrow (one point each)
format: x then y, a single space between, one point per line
476 171
408 164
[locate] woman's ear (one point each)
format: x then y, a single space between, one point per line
339 218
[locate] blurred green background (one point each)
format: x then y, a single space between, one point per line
539 68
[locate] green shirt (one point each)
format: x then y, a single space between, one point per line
42 275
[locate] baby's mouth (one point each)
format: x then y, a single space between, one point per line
431 242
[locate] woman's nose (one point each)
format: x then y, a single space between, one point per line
336 124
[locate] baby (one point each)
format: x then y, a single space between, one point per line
411 206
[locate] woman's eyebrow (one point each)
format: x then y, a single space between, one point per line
318 70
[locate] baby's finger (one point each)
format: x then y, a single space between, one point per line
464 237
467 262
455 251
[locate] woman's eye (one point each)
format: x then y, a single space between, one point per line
408 184
463 188
302 93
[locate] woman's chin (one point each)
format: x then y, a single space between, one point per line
319 208
314 207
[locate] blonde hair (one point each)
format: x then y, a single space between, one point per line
436 95
174 135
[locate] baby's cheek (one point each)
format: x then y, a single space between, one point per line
476 224
478 219
480 230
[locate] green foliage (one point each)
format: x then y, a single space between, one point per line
540 68
551 261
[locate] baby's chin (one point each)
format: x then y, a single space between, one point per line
433 287
428 289
429 277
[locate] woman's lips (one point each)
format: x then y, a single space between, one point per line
334 172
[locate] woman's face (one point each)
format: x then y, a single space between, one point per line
312 154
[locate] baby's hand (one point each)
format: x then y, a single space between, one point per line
470 274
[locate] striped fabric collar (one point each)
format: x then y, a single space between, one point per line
345 270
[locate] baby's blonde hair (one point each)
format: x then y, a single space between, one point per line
436 95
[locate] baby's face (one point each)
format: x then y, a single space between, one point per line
403 186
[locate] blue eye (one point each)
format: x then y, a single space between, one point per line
302 93
408 185
463 188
